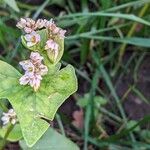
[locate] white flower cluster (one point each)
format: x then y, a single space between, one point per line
34 70
29 25
32 37
9 117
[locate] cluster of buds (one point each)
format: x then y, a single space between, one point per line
34 70
9 117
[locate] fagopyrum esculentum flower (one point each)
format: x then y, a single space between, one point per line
37 94
9 117
52 47
34 70
32 38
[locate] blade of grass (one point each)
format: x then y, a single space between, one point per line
134 3
110 85
114 94
131 32
137 66
96 31
144 42
90 106
40 9
117 15
140 95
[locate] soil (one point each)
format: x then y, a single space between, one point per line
134 106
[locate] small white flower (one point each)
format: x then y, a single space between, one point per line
21 24
56 30
27 30
27 24
48 23
30 23
25 79
35 82
32 38
27 66
40 23
9 117
50 44
62 33
43 70
34 70
36 58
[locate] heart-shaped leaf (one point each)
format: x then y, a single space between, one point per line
31 106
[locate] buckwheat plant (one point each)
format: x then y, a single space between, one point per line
37 94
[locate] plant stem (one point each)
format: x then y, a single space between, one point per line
5 137
60 124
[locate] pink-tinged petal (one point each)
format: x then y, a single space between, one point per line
56 30
28 30
32 38
21 24
35 82
24 80
43 69
28 37
48 23
36 58
62 33
27 65
30 22
40 23
56 46
50 44
37 38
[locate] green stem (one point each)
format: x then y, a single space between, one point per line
60 124
5 137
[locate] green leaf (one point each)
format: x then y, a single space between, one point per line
145 135
40 46
12 4
31 106
14 135
98 100
51 140
131 123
